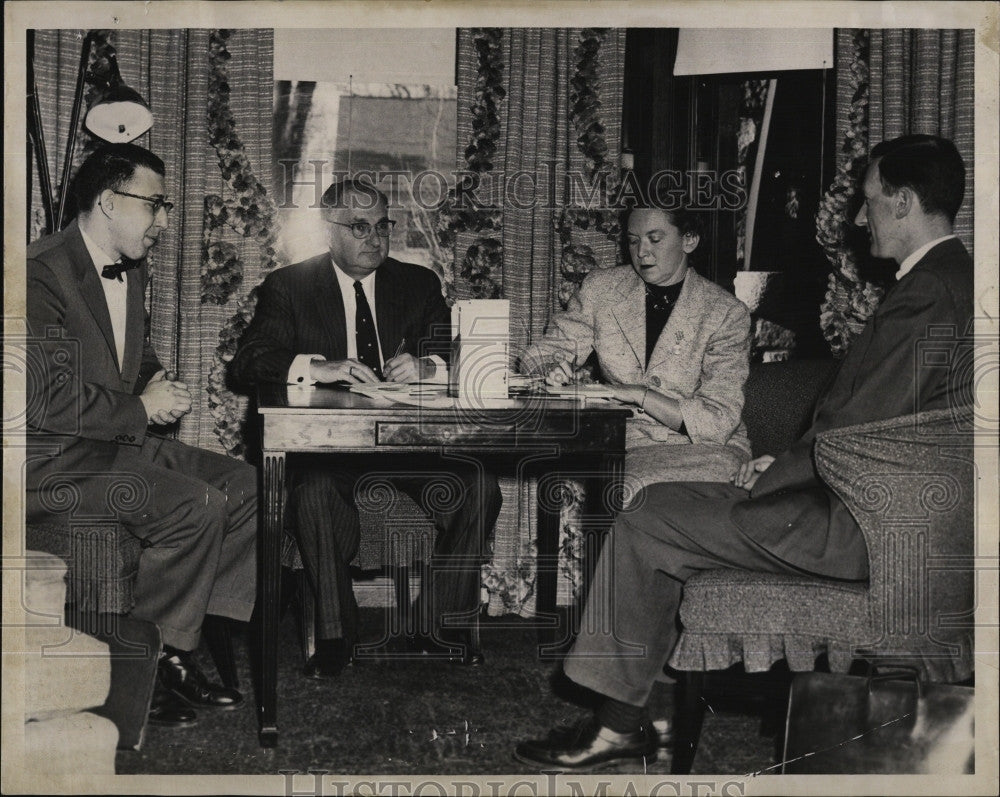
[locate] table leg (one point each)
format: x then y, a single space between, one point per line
602 504
268 593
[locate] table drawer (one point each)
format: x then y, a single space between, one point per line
388 434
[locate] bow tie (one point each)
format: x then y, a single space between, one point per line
115 270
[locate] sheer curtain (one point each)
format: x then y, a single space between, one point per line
170 69
923 81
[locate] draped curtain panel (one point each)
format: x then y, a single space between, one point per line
57 58
540 150
536 150
922 81
170 69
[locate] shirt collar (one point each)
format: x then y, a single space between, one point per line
99 257
670 292
914 257
347 283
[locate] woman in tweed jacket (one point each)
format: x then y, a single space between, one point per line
669 342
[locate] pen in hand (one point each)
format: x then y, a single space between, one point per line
399 351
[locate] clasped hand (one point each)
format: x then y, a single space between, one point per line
165 400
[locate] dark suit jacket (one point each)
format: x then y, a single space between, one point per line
300 310
79 402
884 375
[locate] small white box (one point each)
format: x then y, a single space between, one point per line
480 330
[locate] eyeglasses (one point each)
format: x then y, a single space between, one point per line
156 202
362 229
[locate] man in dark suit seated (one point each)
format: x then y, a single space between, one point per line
354 314
778 516
97 387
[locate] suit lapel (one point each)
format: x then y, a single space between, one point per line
632 322
90 286
679 331
329 303
135 323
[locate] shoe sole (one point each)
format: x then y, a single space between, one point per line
614 762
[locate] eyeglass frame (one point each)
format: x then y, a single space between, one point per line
157 202
389 224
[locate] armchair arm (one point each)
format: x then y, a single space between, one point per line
909 484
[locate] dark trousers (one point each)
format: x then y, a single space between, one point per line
630 627
195 512
463 500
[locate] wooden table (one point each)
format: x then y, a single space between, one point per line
574 437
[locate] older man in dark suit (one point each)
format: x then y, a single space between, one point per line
97 387
354 314
789 521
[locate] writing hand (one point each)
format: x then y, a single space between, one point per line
407 368
562 374
746 477
327 371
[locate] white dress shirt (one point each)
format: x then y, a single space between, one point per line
115 293
298 373
914 257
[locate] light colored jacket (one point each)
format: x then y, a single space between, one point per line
701 358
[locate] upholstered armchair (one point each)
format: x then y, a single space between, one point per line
909 483
101 560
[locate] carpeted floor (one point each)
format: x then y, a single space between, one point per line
420 718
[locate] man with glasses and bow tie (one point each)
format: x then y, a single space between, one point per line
94 390
354 314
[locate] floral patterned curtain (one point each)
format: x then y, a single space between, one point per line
173 71
890 83
536 106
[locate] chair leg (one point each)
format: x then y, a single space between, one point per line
690 714
219 638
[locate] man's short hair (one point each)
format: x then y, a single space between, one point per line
354 193
928 165
110 166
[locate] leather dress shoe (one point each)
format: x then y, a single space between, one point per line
168 712
181 677
329 660
588 745
457 648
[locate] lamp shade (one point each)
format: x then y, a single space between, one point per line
120 116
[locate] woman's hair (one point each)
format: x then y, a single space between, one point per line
687 221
